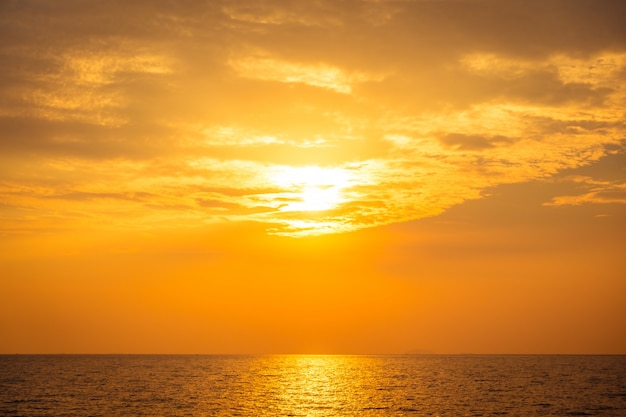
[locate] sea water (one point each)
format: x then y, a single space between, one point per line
310 385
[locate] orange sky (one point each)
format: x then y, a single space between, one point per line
364 176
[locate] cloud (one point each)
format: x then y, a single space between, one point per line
597 192
475 142
324 76
147 113
281 13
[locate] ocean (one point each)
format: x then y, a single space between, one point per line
312 385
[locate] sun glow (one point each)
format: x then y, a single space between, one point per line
312 188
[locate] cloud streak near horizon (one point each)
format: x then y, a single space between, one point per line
309 117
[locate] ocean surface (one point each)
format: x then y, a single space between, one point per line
308 385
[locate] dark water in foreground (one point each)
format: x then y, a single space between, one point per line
302 385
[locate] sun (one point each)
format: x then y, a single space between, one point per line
312 188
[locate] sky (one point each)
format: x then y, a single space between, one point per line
343 177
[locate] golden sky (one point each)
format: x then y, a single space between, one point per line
358 176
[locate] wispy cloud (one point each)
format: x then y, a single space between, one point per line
593 191
316 75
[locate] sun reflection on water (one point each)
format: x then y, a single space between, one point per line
312 385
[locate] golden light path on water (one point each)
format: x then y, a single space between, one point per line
313 385
325 385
